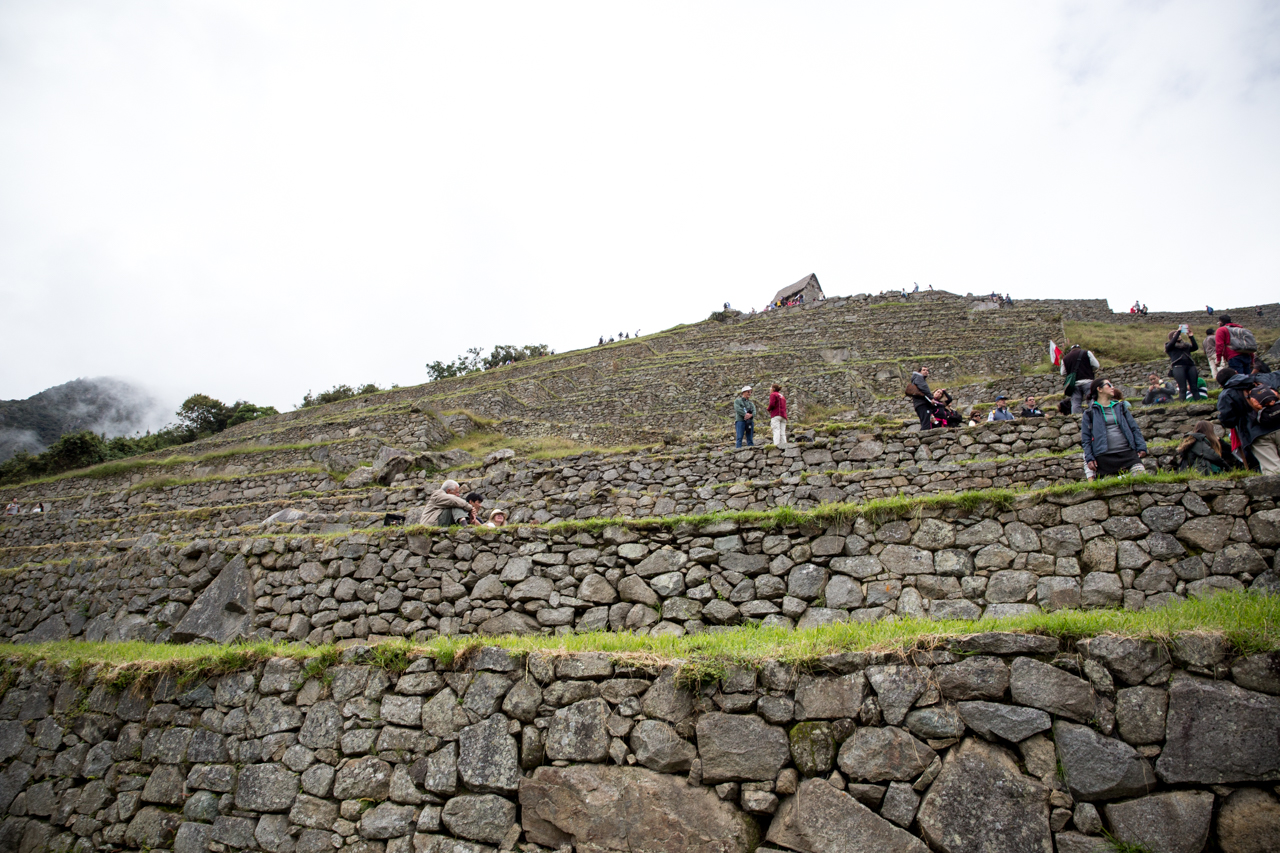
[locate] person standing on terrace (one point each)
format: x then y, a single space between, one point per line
744 411
922 401
1112 440
778 415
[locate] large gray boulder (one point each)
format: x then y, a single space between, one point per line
1218 733
595 807
482 817
1011 722
224 611
830 697
390 462
1098 767
740 748
897 688
981 803
1172 822
820 819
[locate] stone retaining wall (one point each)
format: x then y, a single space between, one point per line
1132 545
1000 743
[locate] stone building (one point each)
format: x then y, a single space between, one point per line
805 290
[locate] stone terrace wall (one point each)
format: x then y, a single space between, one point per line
1003 743
845 466
1132 545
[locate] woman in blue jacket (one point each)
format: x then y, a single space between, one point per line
1111 438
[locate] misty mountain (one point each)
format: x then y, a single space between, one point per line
103 405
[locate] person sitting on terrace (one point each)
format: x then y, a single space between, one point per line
943 414
1158 393
976 416
1030 409
445 507
497 518
1001 411
477 511
1201 450
12 508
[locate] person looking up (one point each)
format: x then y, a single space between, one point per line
1110 436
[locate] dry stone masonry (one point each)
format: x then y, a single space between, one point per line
1132 545
999 743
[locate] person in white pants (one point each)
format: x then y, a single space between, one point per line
778 415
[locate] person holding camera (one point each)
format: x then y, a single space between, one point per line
1183 369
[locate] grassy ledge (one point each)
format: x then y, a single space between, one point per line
1250 622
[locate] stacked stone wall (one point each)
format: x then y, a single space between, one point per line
1002 743
1129 545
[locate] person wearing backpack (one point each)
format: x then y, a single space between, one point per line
1078 367
1235 345
1249 406
921 397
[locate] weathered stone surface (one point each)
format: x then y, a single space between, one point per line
386 820
1175 821
1130 659
1259 672
935 721
266 788
981 803
883 755
1098 767
1218 733
224 611
820 819
629 809
1208 533
657 746
978 677
192 837
363 778
488 759
1048 688
813 748
1011 722
1140 714
666 699
829 697
152 828
740 748
484 817
323 726
1011 586
577 733
897 688
1248 822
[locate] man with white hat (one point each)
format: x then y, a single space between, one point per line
744 425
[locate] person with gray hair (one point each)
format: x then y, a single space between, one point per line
446 506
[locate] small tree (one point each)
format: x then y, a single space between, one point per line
244 411
462 365
203 414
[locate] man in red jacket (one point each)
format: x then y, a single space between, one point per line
778 415
1240 362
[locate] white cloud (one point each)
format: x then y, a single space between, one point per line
252 200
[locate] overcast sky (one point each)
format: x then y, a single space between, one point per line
255 199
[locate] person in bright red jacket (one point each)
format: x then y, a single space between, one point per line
778 415
1240 362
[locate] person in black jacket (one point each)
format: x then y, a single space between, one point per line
1081 364
1234 412
1183 369
923 404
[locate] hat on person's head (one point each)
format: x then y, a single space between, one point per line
745 388
1001 397
498 512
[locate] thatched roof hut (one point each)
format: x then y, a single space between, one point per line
807 287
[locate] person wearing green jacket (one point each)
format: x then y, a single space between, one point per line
744 424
